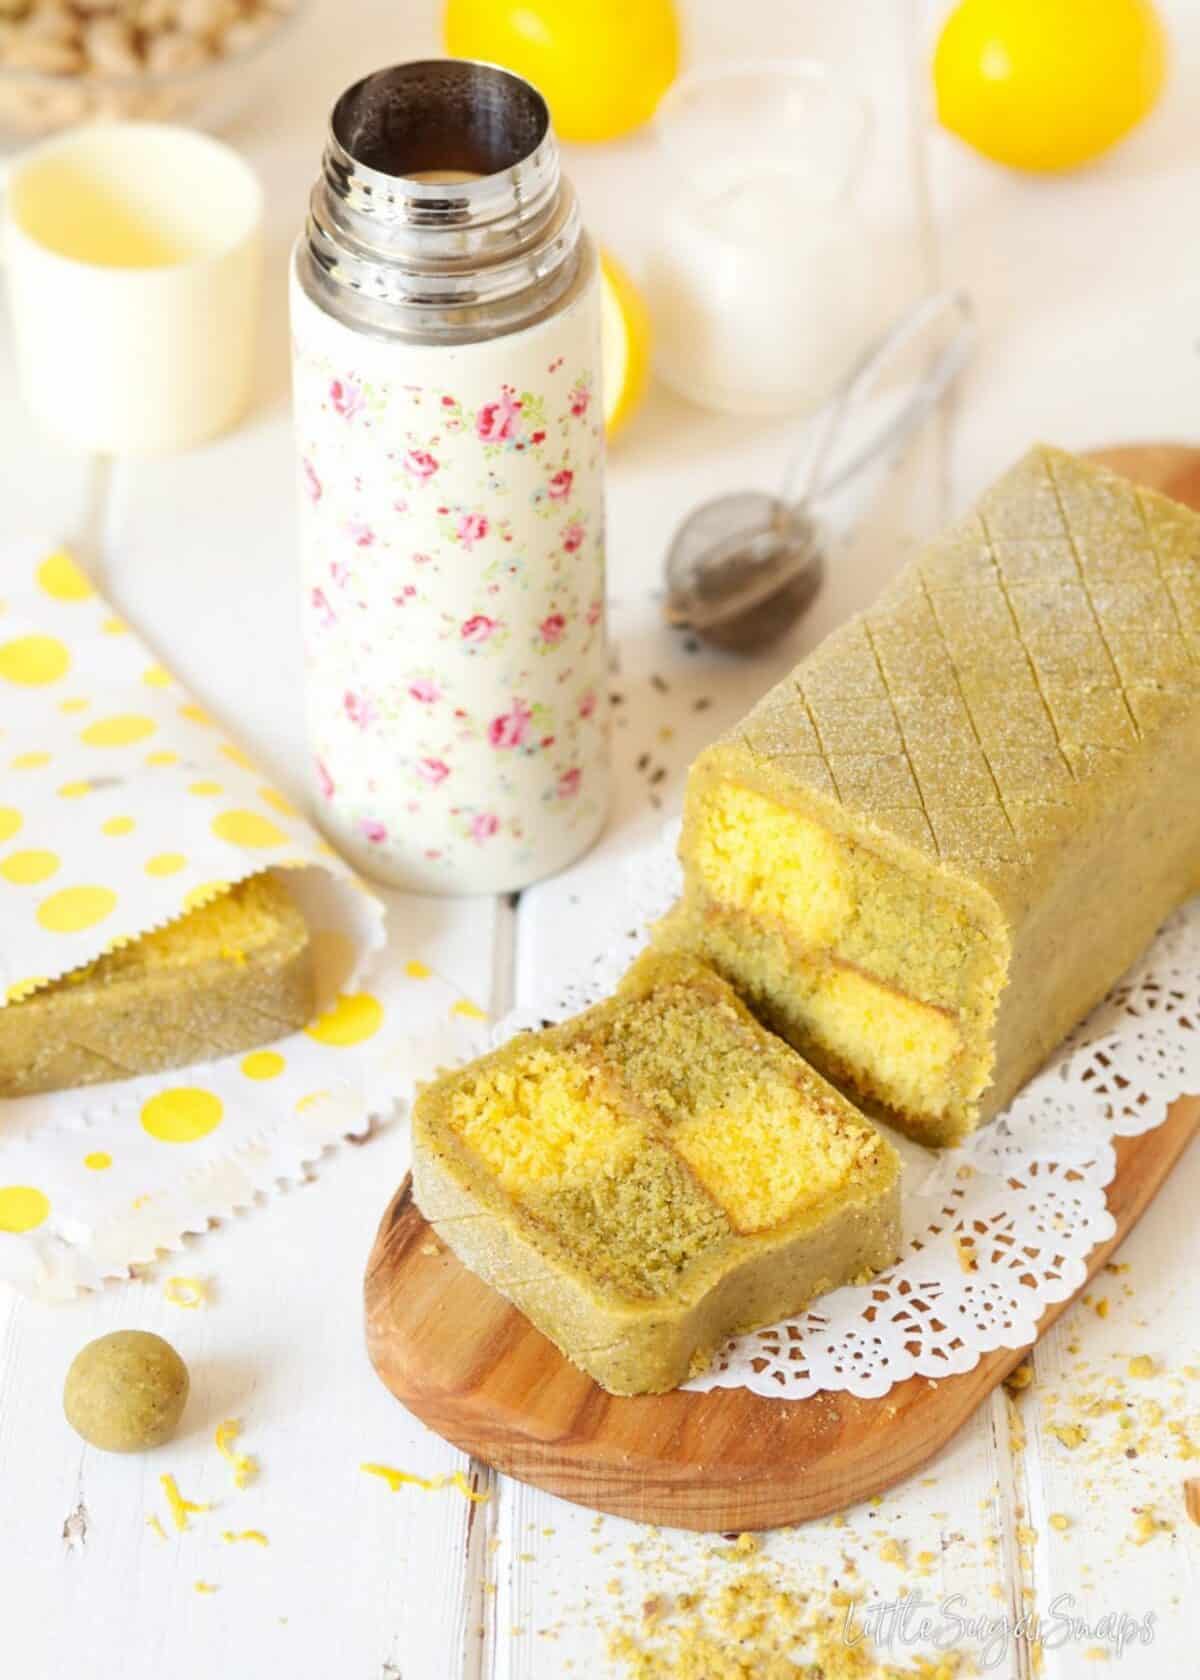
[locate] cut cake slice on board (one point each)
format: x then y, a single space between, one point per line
652 1176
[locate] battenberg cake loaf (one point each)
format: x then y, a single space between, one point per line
652 1176
929 851
227 976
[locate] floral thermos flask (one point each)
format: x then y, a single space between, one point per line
446 325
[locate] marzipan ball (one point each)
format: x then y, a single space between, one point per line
126 1391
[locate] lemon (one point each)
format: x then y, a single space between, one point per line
602 65
1048 84
624 344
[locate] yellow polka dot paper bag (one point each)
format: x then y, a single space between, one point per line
122 807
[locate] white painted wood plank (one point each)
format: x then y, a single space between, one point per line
567 1580
1090 338
1141 1441
355 1577
556 1609
196 550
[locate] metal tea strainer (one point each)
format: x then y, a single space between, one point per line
744 566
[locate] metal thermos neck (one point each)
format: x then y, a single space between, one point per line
440 213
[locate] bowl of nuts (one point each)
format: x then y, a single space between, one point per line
68 61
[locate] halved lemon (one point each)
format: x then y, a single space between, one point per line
624 344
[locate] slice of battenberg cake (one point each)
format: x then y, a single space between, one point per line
653 1175
933 847
231 974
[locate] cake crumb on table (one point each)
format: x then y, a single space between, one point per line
752 1628
1191 1498
1019 1378
1148 1526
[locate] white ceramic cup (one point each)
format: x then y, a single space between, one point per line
134 260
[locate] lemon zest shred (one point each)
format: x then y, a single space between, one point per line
156 1527
205 1587
254 1534
186 1291
459 1481
245 1468
180 1507
396 1479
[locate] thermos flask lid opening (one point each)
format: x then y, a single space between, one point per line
438 116
440 211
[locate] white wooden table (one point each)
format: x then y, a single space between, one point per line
1089 292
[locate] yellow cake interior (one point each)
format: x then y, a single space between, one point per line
232 926
873 969
660 1132
228 975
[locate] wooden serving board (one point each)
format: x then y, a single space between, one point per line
476 1371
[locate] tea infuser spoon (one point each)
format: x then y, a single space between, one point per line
743 566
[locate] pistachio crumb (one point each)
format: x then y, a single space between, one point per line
1147 1525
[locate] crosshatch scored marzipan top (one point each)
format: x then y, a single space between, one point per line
928 852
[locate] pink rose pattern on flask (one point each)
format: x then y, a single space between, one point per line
453 614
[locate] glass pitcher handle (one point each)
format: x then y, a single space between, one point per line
943 368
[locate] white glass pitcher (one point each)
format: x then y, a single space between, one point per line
759 282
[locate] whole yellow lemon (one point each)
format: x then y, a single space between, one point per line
602 65
1048 84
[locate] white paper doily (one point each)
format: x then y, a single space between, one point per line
1028 1188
